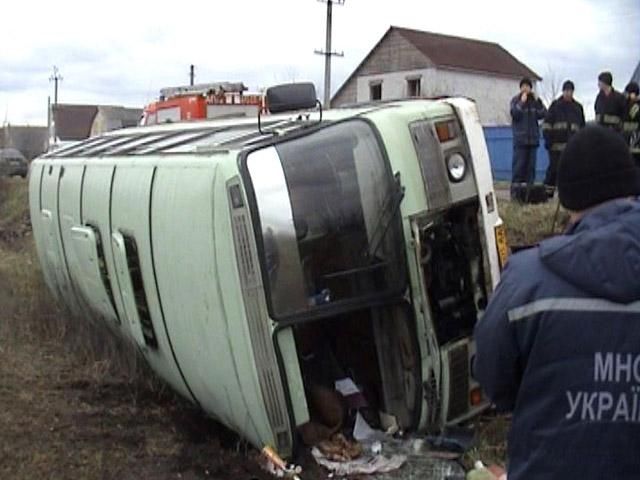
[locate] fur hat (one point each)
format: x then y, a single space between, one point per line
596 166
606 78
526 81
632 87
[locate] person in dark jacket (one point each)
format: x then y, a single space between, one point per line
526 110
559 343
610 104
564 118
631 120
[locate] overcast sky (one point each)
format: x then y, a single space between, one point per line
123 52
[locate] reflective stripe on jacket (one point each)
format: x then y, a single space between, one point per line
631 127
559 345
563 119
610 109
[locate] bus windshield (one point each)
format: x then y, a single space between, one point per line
330 232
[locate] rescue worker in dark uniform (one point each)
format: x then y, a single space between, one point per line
564 118
559 342
610 104
526 110
631 120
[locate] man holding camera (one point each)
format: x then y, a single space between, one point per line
526 110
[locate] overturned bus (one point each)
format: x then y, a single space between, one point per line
248 260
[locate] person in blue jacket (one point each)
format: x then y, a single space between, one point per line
559 343
526 110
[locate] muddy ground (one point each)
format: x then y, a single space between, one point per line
71 408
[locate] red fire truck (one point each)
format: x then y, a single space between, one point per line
206 100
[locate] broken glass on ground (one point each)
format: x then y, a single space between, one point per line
386 457
399 459
453 439
365 464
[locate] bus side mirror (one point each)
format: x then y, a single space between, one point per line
290 97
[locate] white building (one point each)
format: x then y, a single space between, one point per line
412 63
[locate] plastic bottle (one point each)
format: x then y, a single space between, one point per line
480 472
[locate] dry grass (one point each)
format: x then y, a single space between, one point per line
30 314
14 201
529 224
490 441
24 298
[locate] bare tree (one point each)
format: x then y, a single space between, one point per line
551 86
291 74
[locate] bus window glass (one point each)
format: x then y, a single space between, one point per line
339 232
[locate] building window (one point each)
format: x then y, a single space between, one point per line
375 91
413 87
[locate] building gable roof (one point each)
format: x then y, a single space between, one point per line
457 53
73 122
636 74
115 117
467 54
77 122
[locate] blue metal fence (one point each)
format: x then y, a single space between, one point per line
500 145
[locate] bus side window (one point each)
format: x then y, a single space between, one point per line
104 272
142 306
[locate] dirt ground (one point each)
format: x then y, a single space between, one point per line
59 422
70 409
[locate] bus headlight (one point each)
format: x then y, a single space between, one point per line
457 167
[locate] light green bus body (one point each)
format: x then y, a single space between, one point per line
155 245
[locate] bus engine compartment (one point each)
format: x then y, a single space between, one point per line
453 269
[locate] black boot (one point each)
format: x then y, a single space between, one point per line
550 190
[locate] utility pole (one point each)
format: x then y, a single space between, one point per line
192 75
49 123
55 78
328 53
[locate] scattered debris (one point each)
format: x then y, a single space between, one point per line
339 449
389 423
362 465
362 431
352 394
481 472
417 445
278 467
453 439
376 448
